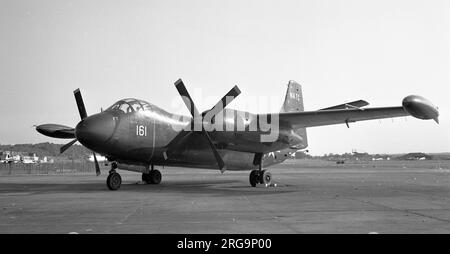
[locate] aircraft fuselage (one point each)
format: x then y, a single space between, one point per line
142 137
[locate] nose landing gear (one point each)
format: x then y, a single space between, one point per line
114 180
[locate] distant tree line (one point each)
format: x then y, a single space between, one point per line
367 156
48 149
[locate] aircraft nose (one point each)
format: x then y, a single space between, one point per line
94 130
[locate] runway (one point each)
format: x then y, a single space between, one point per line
347 199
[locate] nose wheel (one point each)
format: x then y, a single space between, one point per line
114 180
154 177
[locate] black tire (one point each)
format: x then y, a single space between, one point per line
114 181
254 178
155 176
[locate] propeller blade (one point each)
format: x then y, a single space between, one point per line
66 146
219 159
186 98
80 104
227 99
97 167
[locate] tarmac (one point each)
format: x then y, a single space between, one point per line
305 200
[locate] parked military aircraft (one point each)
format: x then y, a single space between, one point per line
136 135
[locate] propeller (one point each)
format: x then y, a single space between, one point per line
66 146
97 167
218 108
83 115
80 103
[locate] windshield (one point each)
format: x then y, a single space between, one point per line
130 105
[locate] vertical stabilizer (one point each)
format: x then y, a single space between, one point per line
293 102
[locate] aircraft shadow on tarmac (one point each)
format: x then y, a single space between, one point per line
210 187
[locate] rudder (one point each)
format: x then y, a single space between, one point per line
293 102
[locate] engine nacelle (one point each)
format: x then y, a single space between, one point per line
420 107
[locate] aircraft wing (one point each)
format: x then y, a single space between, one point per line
414 105
338 116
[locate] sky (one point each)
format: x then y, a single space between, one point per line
339 51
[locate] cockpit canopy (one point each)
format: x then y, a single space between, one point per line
130 105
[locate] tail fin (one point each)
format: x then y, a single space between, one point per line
293 102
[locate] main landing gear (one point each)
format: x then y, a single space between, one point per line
259 175
114 180
153 177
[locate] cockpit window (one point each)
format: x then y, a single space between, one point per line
114 107
148 107
125 107
136 106
130 105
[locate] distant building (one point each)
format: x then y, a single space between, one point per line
415 156
361 156
5 157
18 157
99 158
30 158
46 159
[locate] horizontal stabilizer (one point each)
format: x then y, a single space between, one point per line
349 105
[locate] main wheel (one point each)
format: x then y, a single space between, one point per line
114 181
254 175
265 178
155 176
